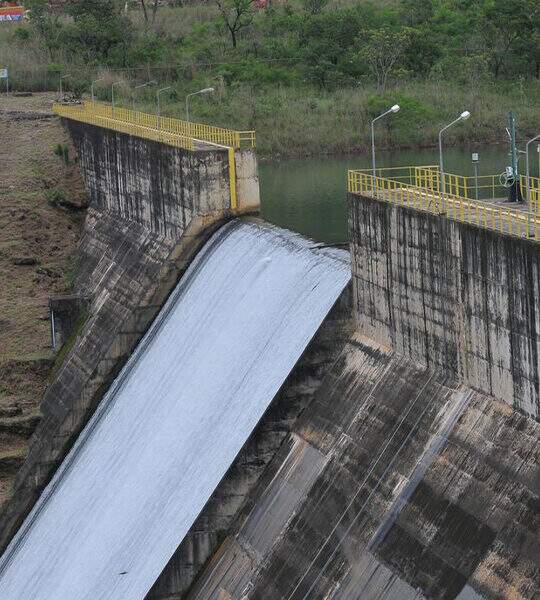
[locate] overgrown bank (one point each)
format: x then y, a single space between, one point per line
38 235
294 122
308 75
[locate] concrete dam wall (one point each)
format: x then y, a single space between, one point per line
152 207
451 295
397 483
176 416
233 421
400 481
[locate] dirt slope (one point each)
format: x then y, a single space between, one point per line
39 227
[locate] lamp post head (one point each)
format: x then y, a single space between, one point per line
395 108
465 115
208 90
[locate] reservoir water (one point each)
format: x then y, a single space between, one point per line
309 195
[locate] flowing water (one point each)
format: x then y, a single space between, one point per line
309 195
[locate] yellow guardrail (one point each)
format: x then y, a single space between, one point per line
81 112
428 198
167 129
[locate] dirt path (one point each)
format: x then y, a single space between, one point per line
38 234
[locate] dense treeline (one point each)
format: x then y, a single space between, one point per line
302 69
288 43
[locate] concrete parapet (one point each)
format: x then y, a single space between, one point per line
451 295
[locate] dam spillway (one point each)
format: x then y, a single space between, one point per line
175 417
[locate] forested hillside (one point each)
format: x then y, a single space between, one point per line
308 74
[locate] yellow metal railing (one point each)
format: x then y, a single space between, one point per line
168 130
173 132
534 192
428 198
485 187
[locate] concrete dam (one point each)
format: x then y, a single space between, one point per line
176 416
243 413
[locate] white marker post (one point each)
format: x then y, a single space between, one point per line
4 74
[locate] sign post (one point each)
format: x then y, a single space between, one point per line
475 159
4 74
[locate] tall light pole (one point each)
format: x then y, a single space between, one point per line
61 89
207 90
92 87
442 183
393 109
138 87
112 95
169 87
528 175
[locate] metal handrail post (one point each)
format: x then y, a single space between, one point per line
528 175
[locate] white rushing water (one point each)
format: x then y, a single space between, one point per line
176 417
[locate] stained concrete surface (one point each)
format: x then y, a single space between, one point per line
151 208
397 482
451 295
175 417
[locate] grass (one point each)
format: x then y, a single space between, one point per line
307 121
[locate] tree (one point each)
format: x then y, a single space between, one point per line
236 15
99 33
45 20
504 25
314 7
382 51
147 19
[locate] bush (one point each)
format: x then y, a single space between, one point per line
55 197
62 151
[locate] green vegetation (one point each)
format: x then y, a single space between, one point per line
62 151
55 197
307 74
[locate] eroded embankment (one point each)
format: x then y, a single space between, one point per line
397 483
40 222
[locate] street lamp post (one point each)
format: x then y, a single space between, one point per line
528 174
61 89
112 96
207 90
137 87
442 184
169 87
393 109
92 87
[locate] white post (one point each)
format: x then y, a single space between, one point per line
136 88
61 88
112 96
92 87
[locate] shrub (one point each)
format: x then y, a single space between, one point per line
55 197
